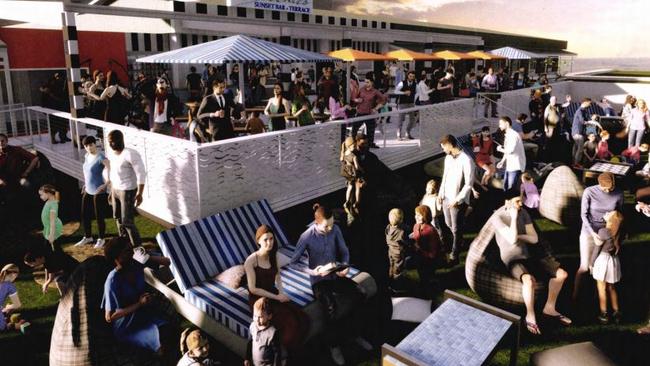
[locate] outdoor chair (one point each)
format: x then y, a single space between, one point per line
201 250
488 276
561 197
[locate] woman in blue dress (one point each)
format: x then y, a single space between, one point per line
127 305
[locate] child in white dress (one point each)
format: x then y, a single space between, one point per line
606 267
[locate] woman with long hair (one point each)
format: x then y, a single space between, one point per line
116 98
278 108
639 119
8 290
97 105
263 278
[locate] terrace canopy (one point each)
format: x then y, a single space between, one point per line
448 55
513 53
408 55
485 55
350 55
236 49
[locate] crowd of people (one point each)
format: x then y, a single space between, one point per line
150 102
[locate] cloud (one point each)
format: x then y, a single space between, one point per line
593 28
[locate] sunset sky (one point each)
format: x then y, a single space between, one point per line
593 28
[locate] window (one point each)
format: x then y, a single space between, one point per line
374 24
222 10
291 17
147 42
343 21
259 14
354 22
159 42
383 25
241 12
183 40
319 19
364 23
179 6
134 42
331 20
201 8
302 44
275 15
204 39
305 18
195 39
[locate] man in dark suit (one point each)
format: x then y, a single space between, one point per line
218 108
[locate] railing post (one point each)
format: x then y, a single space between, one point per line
279 151
49 125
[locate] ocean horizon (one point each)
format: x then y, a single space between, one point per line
621 63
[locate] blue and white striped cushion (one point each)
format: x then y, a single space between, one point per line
206 247
594 108
230 307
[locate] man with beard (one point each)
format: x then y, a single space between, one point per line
165 108
455 188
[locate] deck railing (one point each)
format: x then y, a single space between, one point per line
187 181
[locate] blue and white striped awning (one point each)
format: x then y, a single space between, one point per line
513 53
519 54
236 49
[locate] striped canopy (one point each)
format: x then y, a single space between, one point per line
351 55
236 49
408 55
513 53
454 55
485 56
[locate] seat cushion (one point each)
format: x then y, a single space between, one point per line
204 248
230 307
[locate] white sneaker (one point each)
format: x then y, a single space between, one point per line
84 241
99 244
364 344
337 356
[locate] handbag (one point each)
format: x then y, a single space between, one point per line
463 92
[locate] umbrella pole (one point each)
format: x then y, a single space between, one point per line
347 81
241 83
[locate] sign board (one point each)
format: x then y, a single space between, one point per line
289 6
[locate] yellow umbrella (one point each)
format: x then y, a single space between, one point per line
453 55
485 55
408 55
351 55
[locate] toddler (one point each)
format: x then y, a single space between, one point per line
602 151
529 192
266 346
427 245
395 239
589 150
195 348
606 267
430 199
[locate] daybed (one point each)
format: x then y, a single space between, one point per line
202 249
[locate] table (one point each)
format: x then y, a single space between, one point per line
462 331
620 170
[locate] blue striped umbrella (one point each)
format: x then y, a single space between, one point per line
236 49
513 53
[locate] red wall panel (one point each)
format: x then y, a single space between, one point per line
38 49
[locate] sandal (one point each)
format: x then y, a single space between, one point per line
560 318
533 328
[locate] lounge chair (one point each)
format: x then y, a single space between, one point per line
202 249
487 275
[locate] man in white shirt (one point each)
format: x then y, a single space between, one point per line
126 177
514 155
455 189
490 84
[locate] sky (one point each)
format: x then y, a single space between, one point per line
593 28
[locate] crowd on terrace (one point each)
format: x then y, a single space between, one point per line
523 150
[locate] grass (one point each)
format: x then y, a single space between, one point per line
40 308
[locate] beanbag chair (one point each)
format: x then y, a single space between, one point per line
561 196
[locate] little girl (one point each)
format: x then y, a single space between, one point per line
529 192
8 290
52 225
427 245
430 199
483 149
606 267
602 152
350 170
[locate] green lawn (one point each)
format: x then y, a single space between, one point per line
40 308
